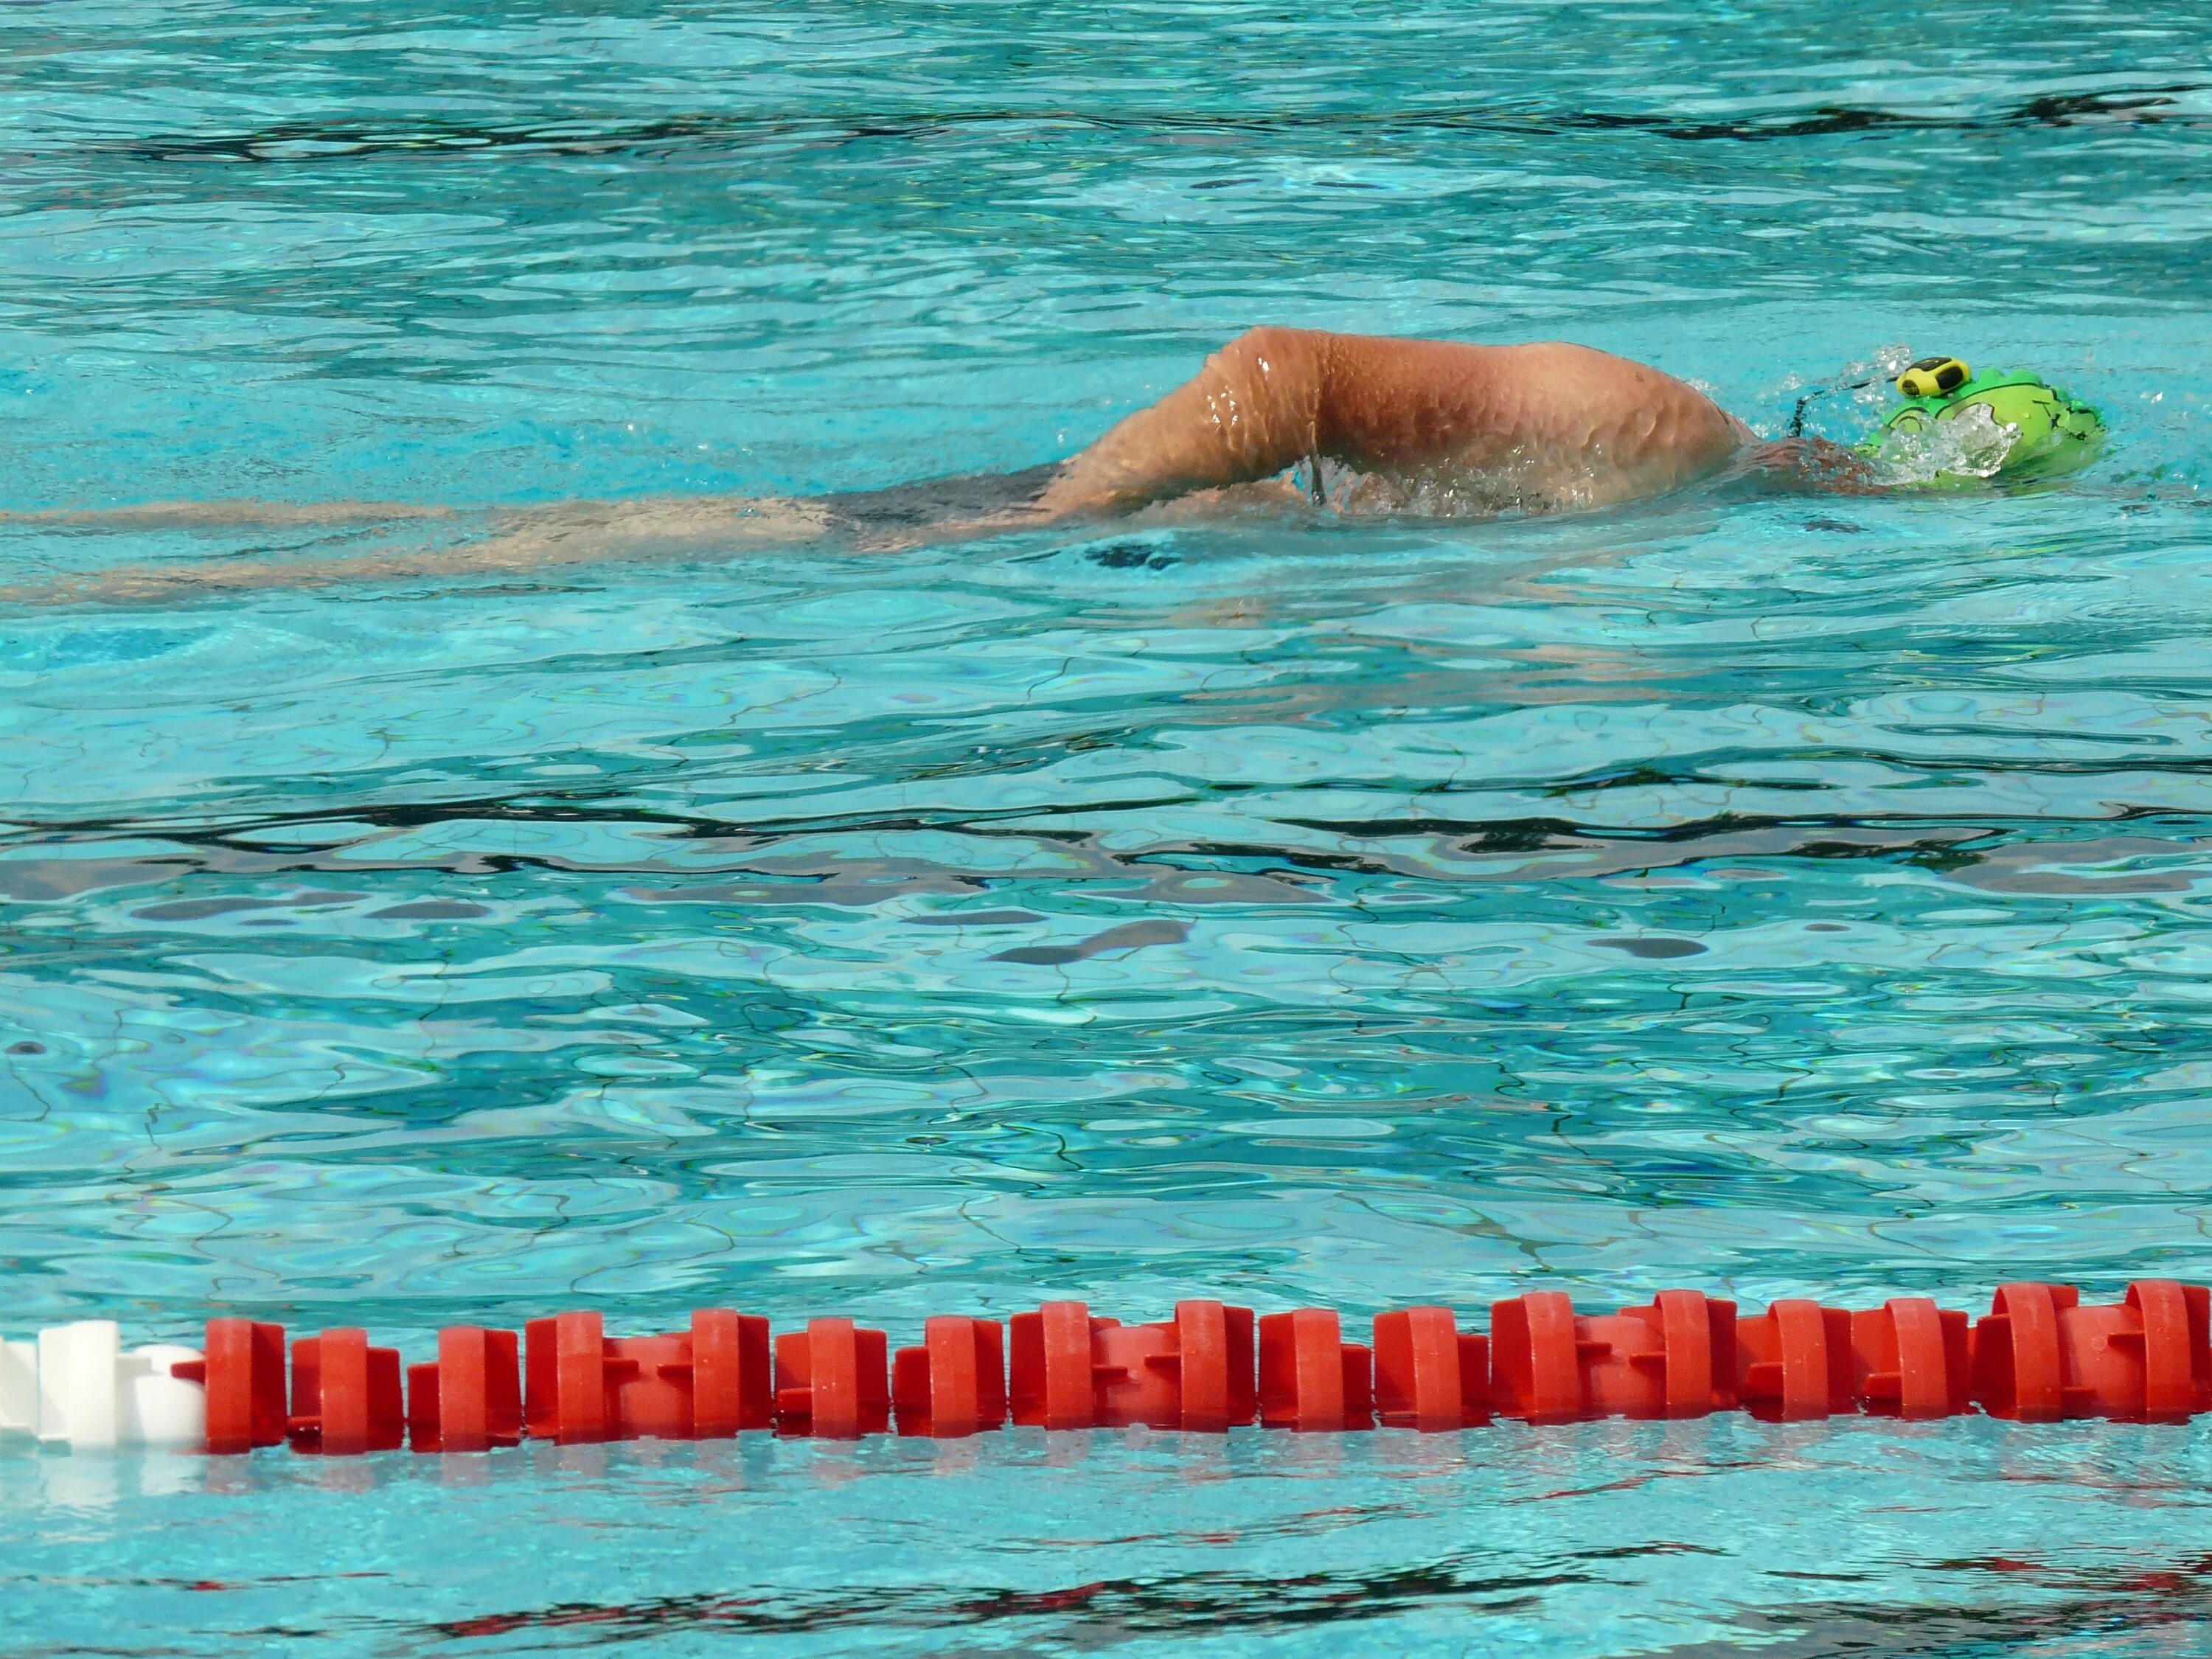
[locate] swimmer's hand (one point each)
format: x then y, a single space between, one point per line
1807 463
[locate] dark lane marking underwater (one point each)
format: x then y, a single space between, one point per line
314 142
1098 1612
1111 1612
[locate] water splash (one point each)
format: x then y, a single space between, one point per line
1970 444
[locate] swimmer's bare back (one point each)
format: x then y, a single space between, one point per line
1541 427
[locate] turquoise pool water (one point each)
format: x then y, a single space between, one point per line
1763 894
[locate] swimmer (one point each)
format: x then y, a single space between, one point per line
1533 429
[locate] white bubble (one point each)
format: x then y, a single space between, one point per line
1972 443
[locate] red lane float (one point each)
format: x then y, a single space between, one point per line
732 1378
1310 1379
1430 1375
470 1400
832 1381
1674 1359
581 1386
955 1383
1911 1359
2157 1362
345 1395
1050 1383
1194 1372
243 1372
1794 1362
2039 1355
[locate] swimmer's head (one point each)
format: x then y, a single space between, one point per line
1957 426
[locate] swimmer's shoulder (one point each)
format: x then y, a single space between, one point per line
1584 376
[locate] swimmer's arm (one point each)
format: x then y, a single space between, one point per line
1252 411
1275 396
532 538
1813 466
233 513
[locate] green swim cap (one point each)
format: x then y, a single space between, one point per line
1964 428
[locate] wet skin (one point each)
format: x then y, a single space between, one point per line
1542 428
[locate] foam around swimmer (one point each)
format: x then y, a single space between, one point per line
1957 428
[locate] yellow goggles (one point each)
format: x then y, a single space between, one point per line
1934 377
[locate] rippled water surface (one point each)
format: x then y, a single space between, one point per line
1780 895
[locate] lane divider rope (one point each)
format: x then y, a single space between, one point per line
2039 1355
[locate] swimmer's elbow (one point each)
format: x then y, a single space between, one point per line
1272 377
1271 355
1265 339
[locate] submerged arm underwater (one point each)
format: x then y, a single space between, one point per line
1424 427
